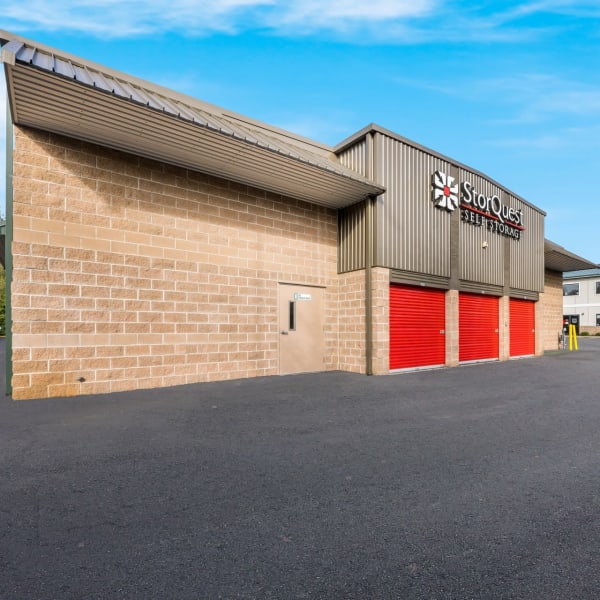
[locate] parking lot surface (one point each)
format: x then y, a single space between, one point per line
481 481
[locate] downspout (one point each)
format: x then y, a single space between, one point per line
8 259
370 168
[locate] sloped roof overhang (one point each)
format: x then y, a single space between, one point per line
72 97
557 258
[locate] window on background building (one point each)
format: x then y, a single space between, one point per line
597 287
570 289
597 320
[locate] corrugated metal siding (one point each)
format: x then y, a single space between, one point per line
351 220
417 327
478 329
477 287
410 278
414 237
524 294
351 238
355 157
476 263
527 254
411 234
522 327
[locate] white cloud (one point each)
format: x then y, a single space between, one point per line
532 111
575 101
543 96
558 141
397 21
335 13
123 18
567 8
553 141
358 21
524 98
331 130
361 21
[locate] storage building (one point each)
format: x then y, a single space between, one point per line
154 239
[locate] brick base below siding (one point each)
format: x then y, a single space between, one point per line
549 313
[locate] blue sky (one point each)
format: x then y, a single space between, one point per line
509 88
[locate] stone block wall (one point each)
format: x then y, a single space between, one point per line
549 312
351 319
381 320
130 273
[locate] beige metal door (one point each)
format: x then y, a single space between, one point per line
301 337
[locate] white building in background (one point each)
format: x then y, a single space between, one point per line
581 299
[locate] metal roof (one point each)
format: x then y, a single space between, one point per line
556 258
582 274
67 95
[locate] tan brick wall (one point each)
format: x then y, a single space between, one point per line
381 320
549 311
351 319
504 328
452 328
134 274
591 329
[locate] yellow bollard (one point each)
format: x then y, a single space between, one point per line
572 338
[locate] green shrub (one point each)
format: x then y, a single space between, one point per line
585 333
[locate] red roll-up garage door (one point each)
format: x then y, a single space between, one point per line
478 327
417 327
522 327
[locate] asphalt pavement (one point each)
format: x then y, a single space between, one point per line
478 482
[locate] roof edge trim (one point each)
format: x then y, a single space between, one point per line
566 257
10 38
9 52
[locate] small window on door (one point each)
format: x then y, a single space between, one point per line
597 320
292 316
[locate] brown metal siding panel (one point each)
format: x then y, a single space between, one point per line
420 279
414 238
524 294
351 238
355 157
477 287
476 262
411 234
527 254
351 220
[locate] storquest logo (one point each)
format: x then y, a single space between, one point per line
445 191
482 210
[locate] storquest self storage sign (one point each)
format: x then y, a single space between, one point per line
476 208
